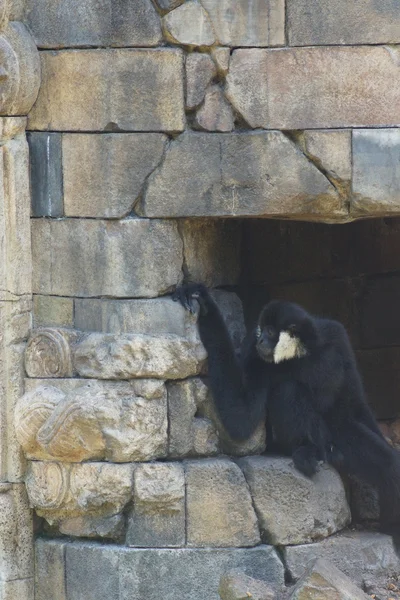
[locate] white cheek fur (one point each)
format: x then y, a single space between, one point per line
288 347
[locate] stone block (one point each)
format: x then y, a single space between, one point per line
332 150
376 178
5 12
200 69
46 174
291 508
59 491
92 258
111 90
251 174
221 58
380 372
20 589
236 23
189 25
92 23
361 556
166 5
92 572
50 570
346 87
216 113
312 23
105 528
218 505
323 580
16 534
53 311
157 518
48 353
237 586
205 438
117 422
104 174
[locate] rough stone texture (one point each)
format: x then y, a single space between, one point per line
221 58
127 89
19 589
16 535
200 69
244 23
50 570
158 515
323 580
313 23
53 311
92 258
169 4
92 571
291 508
92 23
108 528
48 353
364 502
59 491
218 504
118 422
322 87
189 25
251 174
332 150
46 174
376 178
216 113
237 586
5 10
108 356
104 174
360 555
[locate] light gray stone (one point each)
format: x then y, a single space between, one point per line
376 177
19 589
200 69
46 174
189 25
169 4
360 555
113 90
50 570
93 23
104 174
92 258
216 113
92 572
218 504
16 533
237 586
312 23
247 22
256 174
332 150
53 311
48 352
205 438
109 528
291 508
221 58
157 518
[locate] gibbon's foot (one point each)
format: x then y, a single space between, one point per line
187 293
305 460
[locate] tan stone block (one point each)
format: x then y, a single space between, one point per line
16 533
189 24
238 586
11 127
216 113
48 353
84 258
221 58
322 87
332 150
20 589
103 175
200 69
128 89
53 311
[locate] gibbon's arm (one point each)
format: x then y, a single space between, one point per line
239 390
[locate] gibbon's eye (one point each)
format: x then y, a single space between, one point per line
258 332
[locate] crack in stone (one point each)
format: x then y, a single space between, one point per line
139 202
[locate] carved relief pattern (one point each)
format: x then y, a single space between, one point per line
48 355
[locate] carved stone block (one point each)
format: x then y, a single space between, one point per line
48 353
16 535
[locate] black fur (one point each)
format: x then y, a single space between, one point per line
314 405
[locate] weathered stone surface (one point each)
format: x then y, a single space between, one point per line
364 502
323 580
119 422
58 491
200 69
108 356
93 572
48 353
322 87
190 25
256 174
157 518
16 535
5 10
110 528
104 174
50 581
92 258
169 4
206 259
127 89
376 178
46 174
221 58
53 311
332 150
311 23
291 508
240 23
216 113
92 23
237 586
360 555
19 589
205 438
218 505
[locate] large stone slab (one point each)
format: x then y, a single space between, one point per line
53 311
322 87
93 23
92 258
376 177
50 581
256 174
127 89
312 23
218 504
189 25
16 534
291 508
46 174
103 175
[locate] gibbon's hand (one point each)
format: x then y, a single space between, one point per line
188 293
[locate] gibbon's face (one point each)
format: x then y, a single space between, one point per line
284 332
